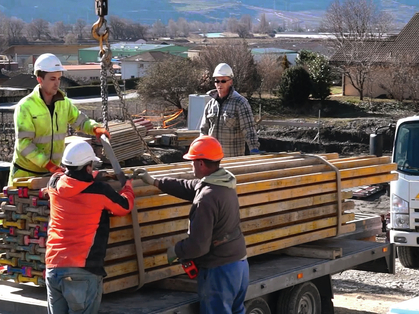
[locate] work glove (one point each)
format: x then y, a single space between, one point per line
143 175
99 131
51 167
256 151
171 255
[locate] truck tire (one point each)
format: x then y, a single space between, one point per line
408 256
257 306
301 299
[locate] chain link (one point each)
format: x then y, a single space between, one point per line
106 65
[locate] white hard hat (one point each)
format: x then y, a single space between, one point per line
48 62
223 69
78 153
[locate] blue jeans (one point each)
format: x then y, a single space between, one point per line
73 290
223 289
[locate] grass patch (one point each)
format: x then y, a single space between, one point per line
336 90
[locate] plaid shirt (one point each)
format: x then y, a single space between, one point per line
232 123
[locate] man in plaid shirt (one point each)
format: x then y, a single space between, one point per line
228 116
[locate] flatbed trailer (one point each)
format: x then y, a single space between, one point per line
279 283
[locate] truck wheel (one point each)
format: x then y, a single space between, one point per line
301 299
257 306
408 256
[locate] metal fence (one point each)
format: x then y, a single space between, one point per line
7 136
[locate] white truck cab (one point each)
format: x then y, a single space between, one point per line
404 192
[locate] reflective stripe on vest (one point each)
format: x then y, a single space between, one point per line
31 147
24 134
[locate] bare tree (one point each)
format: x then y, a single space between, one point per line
136 31
79 28
179 80
270 70
232 25
246 21
59 30
399 77
356 20
118 27
172 29
70 39
14 28
264 27
158 29
38 28
358 27
183 27
239 57
3 40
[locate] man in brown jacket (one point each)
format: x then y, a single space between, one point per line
215 243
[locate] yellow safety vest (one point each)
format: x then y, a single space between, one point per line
40 137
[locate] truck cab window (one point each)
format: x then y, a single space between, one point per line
406 153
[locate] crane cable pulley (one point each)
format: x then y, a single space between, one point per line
100 32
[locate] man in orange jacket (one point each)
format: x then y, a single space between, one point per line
78 232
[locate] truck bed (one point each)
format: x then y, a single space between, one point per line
268 273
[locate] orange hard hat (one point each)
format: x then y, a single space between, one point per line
205 147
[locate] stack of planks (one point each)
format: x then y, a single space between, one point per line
124 140
186 137
285 200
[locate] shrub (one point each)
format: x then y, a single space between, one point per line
295 86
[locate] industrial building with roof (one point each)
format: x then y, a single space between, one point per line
127 49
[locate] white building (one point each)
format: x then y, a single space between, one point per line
136 66
87 71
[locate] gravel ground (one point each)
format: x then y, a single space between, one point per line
360 292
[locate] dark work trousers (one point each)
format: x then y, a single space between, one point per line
222 289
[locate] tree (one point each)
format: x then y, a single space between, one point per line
117 26
232 25
38 28
158 29
295 86
79 28
14 28
246 21
264 27
59 30
399 77
70 39
285 64
320 72
239 57
171 81
358 27
270 71
136 31
172 28
183 27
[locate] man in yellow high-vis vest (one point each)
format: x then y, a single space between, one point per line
41 120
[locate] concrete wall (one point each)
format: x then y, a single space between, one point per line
371 87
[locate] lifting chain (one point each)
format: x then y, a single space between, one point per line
100 31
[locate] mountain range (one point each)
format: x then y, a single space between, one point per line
305 12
